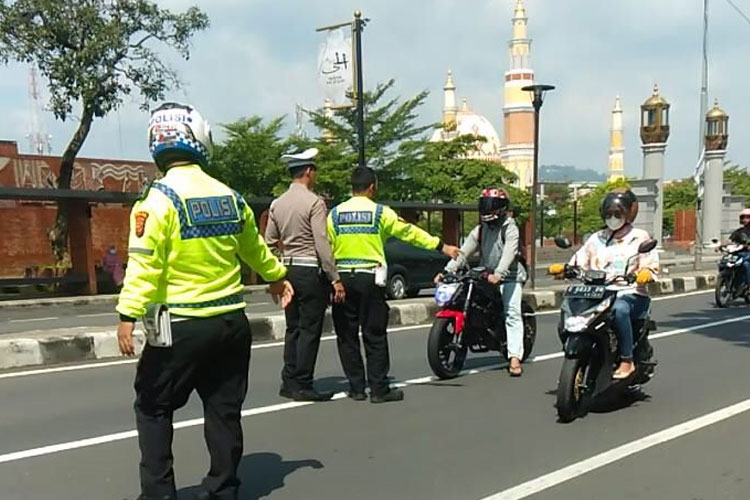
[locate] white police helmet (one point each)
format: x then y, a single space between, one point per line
178 132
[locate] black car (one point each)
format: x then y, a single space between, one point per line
410 269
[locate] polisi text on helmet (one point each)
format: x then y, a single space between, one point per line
162 117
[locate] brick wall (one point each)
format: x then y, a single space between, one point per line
24 225
24 243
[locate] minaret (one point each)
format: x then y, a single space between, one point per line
449 103
517 154
616 167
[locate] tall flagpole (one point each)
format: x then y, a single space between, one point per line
701 139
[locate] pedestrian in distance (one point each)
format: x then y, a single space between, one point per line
357 229
297 230
186 234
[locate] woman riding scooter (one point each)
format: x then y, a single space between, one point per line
609 250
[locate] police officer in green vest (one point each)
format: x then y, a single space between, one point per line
357 229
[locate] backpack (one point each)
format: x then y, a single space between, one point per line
520 253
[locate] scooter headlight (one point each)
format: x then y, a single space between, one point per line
444 293
580 322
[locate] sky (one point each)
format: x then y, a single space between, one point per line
259 58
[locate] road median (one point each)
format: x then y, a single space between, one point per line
87 344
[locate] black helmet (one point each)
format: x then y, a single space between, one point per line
618 203
493 202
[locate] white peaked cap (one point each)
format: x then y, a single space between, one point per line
305 158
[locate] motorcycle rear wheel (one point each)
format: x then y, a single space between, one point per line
723 291
446 361
569 391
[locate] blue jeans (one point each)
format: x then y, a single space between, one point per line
746 266
627 308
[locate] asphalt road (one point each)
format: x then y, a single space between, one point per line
37 320
483 436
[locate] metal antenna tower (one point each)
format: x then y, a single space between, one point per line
39 140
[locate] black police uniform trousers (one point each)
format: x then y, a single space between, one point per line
304 326
365 307
211 355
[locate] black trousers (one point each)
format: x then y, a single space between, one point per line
365 307
304 325
211 355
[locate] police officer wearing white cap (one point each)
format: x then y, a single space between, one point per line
297 229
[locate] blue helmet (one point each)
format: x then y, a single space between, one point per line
178 132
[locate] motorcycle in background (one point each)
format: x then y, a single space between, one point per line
730 282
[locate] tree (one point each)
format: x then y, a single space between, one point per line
589 218
249 159
409 166
739 178
93 53
390 128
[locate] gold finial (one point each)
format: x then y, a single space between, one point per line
449 85
656 88
716 111
357 14
465 104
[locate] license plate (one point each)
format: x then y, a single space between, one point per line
585 292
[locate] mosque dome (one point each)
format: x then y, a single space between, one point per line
467 122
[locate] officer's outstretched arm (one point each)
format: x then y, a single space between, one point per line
151 224
393 225
254 251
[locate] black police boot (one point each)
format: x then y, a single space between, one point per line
356 396
285 392
311 395
392 395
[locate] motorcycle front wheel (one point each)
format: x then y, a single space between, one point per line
570 390
723 291
446 358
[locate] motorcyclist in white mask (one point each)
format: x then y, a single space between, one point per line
608 250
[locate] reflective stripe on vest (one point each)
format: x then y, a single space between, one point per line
188 231
226 301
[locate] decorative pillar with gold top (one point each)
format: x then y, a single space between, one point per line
717 137
654 135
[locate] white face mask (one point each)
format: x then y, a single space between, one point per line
614 223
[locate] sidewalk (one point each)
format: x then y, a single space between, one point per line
52 347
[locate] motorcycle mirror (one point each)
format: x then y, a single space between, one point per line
562 242
647 246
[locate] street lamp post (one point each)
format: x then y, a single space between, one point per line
538 91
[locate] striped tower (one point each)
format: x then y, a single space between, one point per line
616 166
517 153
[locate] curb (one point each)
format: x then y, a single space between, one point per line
86 300
20 352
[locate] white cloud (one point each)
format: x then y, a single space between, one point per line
258 57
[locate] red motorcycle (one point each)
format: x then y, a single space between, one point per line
471 318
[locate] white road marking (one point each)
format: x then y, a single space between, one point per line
29 320
84 443
577 469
